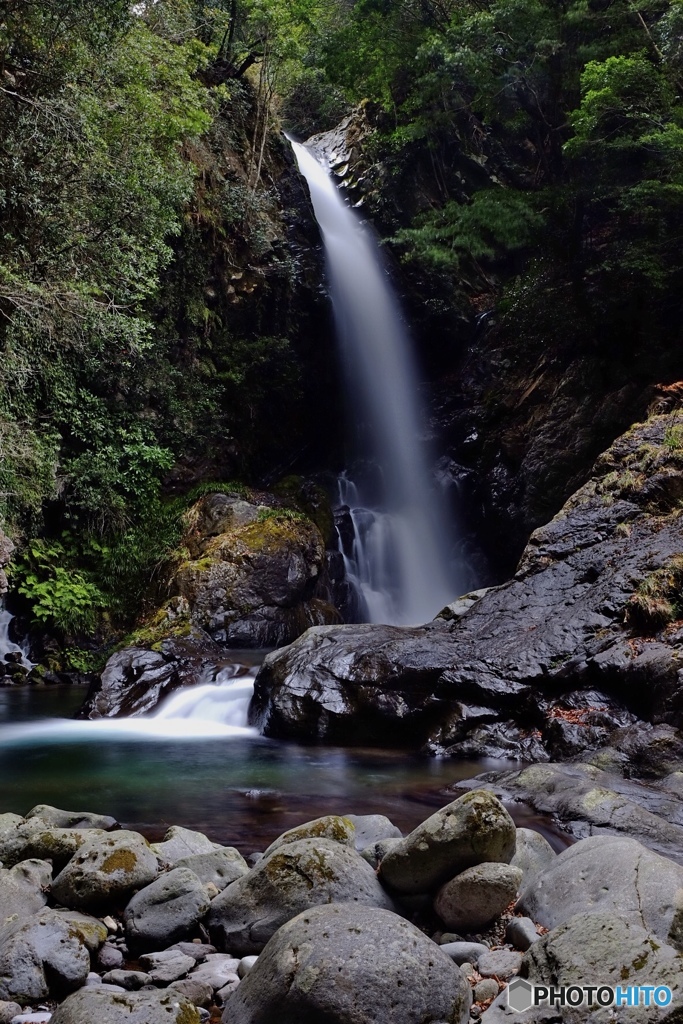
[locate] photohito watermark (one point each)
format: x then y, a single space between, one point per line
522 995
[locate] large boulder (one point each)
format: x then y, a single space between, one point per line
37 839
331 826
71 819
598 949
45 956
166 911
93 1004
255 573
551 663
471 830
23 890
106 871
220 867
606 874
179 842
533 853
350 965
295 877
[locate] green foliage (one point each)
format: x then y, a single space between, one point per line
60 597
267 514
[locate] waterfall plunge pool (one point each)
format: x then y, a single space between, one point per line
195 763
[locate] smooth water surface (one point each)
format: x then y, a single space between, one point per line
239 788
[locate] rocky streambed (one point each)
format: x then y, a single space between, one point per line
341 919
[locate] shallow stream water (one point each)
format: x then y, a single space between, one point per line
188 767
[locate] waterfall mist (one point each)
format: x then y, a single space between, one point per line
400 558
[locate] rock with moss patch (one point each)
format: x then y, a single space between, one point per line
255 575
35 839
299 875
166 911
332 826
106 871
606 874
354 965
43 957
472 830
92 1004
599 948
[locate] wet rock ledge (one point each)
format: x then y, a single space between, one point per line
341 920
585 640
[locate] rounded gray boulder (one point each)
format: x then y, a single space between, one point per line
94 1006
471 830
346 964
166 911
107 869
477 896
294 878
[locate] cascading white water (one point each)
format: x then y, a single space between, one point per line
401 560
8 646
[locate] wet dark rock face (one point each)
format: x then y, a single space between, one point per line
584 640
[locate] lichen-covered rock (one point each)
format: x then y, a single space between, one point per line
606 874
42 957
296 877
471 830
599 948
23 890
35 839
332 826
167 910
71 819
350 965
92 1004
107 869
220 867
254 574
478 895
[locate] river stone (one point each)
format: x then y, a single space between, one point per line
71 819
91 931
350 965
92 1005
372 828
182 842
129 980
375 853
246 966
166 911
198 992
464 952
9 821
8 1011
167 966
295 877
521 933
471 830
197 950
532 855
36 839
220 867
22 890
41 957
216 971
499 963
332 826
107 869
109 957
596 949
610 874
477 896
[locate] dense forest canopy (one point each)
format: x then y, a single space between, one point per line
538 140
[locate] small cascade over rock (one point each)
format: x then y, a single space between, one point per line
7 646
401 553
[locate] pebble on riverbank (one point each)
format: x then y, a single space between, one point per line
311 887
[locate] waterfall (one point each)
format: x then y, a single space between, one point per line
8 646
399 558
